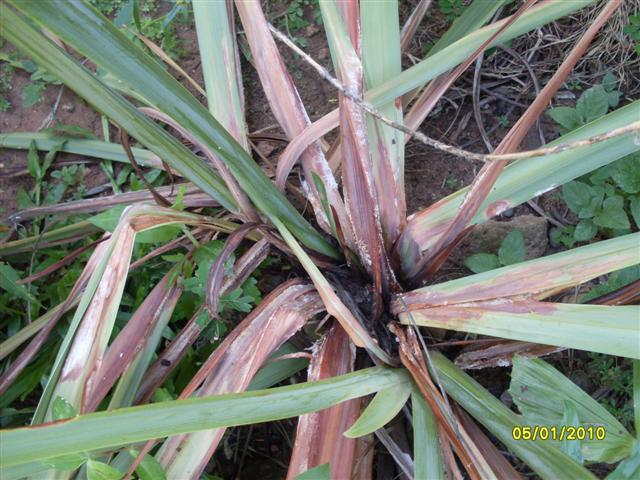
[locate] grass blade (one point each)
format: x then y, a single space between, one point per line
220 66
596 328
426 447
539 390
381 60
546 460
90 148
74 22
104 430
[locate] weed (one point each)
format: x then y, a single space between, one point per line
606 200
451 9
512 250
632 29
614 378
6 77
452 182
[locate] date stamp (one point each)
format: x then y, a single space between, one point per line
564 432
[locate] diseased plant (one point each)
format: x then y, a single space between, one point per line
94 412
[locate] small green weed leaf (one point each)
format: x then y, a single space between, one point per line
576 195
634 209
108 220
23 200
481 262
585 230
32 94
512 249
626 173
101 471
62 409
571 418
8 282
236 300
612 214
159 235
384 406
178 203
149 468
593 104
567 117
609 82
33 161
203 319
321 472
67 462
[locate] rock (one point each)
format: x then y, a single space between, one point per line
311 30
582 380
506 398
487 237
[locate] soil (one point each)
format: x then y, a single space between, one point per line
262 451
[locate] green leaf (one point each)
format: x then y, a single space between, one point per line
576 195
539 391
571 418
101 471
634 209
149 468
74 23
626 173
481 262
512 249
108 220
426 445
629 468
612 214
593 104
33 161
321 472
544 458
32 94
8 282
609 81
71 131
585 230
62 409
567 117
67 462
118 427
384 406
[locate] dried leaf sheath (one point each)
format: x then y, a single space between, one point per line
319 436
288 109
361 199
234 363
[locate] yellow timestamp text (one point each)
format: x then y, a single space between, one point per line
564 432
